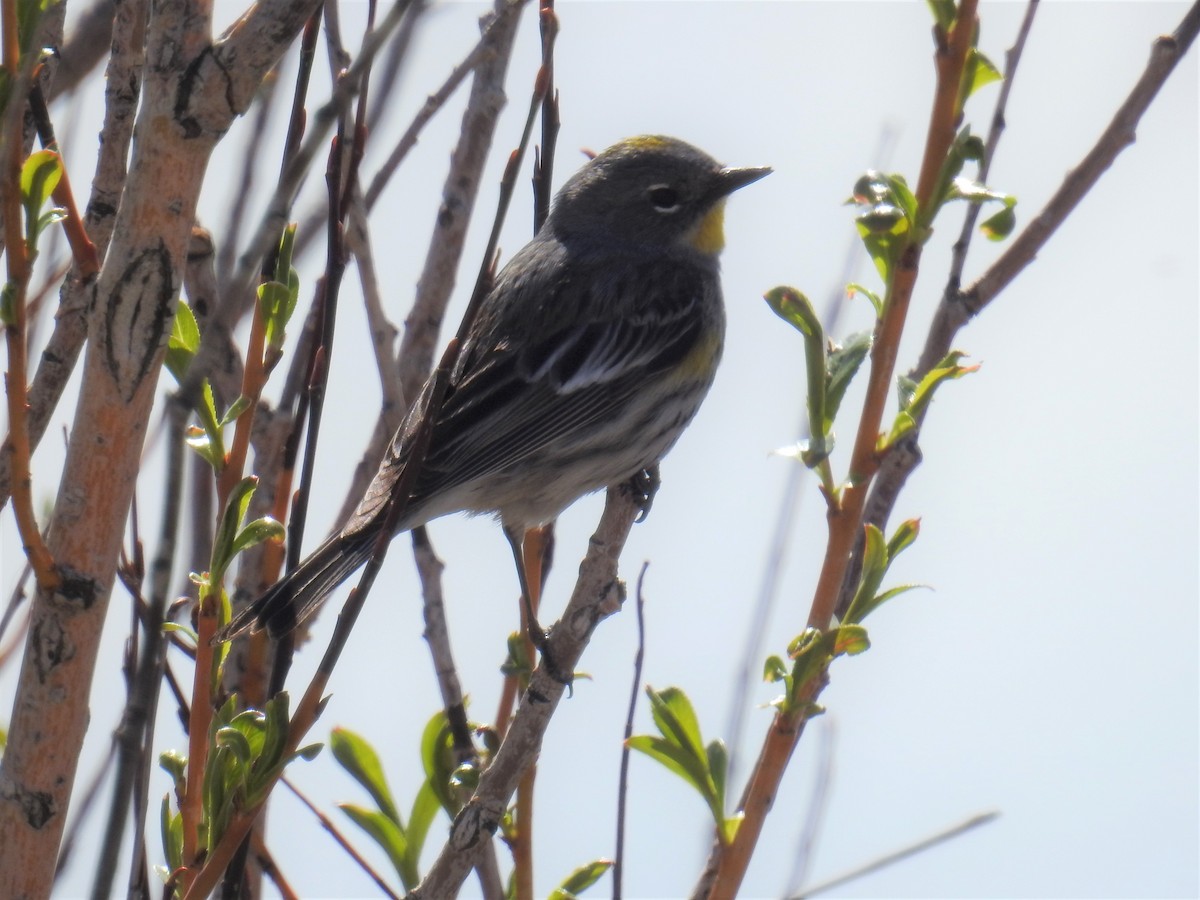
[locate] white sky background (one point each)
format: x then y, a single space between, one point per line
1052 672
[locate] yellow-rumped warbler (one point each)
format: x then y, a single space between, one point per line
587 359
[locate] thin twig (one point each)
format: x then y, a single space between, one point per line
907 452
727 864
341 840
597 594
817 806
251 158
134 735
19 73
750 669
618 869
122 89
956 311
238 297
899 855
383 332
313 700
459 193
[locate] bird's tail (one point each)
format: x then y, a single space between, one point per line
295 597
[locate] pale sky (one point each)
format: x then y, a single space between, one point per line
1050 673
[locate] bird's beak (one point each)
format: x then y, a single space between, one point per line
731 180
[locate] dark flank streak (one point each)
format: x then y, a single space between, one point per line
140 301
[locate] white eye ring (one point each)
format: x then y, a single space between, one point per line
664 198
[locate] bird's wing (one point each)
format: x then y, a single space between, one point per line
511 398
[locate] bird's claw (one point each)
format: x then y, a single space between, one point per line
644 486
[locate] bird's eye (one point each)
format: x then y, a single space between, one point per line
664 198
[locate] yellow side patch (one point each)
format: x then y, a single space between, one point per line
701 360
709 236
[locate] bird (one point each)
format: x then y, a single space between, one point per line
588 357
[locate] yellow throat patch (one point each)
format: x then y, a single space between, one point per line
709 236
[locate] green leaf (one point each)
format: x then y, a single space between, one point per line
718 769
794 308
874 567
240 405
979 72
774 669
438 761
729 827
963 188
906 533
174 764
850 639
356 755
264 529
902 425
841 366
1000 225
236 742
209 442
425 807
50 217
876 301
387 834
947 369
944 13
691 768
896 592
184 342
581 879
811 653
171 826
308 752
275 729
877 559
180 628
676 718
889 210
277 298
225 541
39 177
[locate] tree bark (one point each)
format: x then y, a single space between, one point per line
193 89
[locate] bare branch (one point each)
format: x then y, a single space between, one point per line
597 595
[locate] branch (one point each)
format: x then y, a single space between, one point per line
598 593
121 92
182 117
958 308
459 193
728 863
903 853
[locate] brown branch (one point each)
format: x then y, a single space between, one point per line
906 454
83 251
597 594
186 109
904 853
84 48
957 308
19 72
240 292
341 840
727 865
459 193
313 700
635 692
122 89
